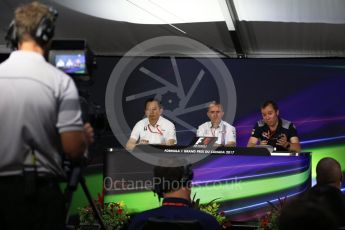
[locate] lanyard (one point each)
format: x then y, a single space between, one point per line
213 131
158 130
177 204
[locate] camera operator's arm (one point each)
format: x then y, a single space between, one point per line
89 133
74 144
74 136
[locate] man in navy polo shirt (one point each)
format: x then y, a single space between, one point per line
174 185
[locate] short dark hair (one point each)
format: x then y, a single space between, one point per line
328 171
168 179
270 102
153 100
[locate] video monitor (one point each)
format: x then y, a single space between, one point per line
72 62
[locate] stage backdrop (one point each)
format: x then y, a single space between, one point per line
309 93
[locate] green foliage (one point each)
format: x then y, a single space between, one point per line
115 215
270 220
211 208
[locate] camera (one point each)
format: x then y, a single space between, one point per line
75 58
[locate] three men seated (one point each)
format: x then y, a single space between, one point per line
271 130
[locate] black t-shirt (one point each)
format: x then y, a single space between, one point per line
262 132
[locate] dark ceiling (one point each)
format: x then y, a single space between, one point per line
263 28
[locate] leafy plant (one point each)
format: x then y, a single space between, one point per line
114 214
270 220
212 208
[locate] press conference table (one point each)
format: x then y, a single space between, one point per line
242 179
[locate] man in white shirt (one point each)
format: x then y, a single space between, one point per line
216 127
154 129
40 123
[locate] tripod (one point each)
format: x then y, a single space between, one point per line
76 177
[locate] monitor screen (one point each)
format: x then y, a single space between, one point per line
72 62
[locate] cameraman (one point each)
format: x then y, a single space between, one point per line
40 118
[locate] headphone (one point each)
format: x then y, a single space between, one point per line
42 35
187 176
184 181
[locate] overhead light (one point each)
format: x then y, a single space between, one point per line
305 11
151 11
226 14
